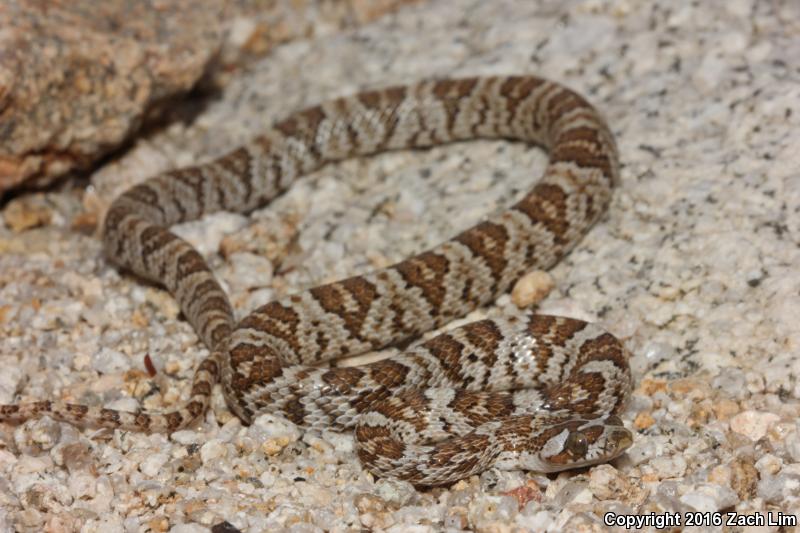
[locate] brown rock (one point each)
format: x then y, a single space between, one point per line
649 386
744 478
27 212
526 493
725 409
78 78
643 421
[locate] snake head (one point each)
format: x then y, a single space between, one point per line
578 443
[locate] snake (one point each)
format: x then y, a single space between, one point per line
516 391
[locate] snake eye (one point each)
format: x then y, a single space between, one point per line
576 444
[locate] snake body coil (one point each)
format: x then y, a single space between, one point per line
536 392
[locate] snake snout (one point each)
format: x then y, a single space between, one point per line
582 443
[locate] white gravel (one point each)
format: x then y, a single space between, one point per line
695 266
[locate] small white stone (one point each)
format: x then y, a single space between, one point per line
487 512
668 466
739 8
207 234
755 382
606 483
82 484
241 30
584 496
129 405
759 52
153 464
753 424
732 381
10 378
710 72
343 443
317 443
410 205
531 288
655 352
776 489
110 361
576 490
769 464
37 435
273 433
186 437
534 518
793 444
249 271
111 460
395 491
710 497
104 495
213 449
7 459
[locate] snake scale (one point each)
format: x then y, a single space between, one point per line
525 391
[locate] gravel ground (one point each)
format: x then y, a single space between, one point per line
695 267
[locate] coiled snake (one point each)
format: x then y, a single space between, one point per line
531 391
